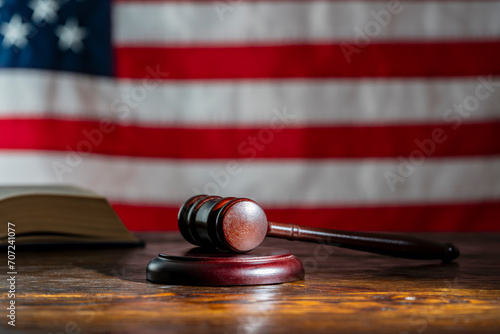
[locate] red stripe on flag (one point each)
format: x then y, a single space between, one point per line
437 59
446 217
438 140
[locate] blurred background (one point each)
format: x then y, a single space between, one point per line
357 115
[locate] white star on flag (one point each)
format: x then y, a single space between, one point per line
15 32
44 10
71 36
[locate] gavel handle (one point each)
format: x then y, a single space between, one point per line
392 245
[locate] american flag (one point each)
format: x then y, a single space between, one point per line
358 115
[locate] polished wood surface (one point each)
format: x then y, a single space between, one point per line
344 291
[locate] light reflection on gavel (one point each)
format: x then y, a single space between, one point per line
240 225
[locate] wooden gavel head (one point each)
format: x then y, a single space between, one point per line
229 224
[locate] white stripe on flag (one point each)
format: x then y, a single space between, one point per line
321 182
31 93
277 21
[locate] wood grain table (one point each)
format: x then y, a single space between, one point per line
105 291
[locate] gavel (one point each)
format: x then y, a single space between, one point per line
239 225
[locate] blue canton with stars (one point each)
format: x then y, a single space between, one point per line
66 35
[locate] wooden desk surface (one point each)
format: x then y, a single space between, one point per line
105 291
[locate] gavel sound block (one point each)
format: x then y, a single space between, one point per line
227 230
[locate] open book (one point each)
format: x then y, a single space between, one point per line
60 216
